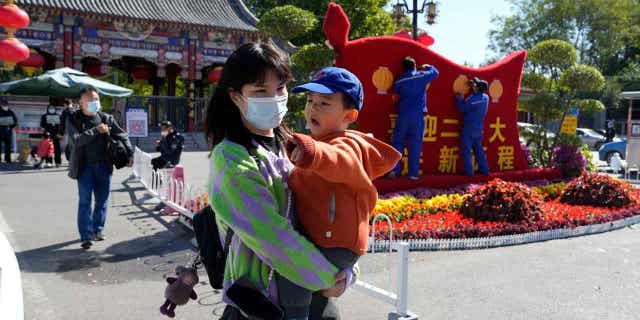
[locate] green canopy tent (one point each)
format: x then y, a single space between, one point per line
61 83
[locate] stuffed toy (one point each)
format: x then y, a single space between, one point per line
179 290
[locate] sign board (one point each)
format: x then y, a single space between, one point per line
570 122
137 122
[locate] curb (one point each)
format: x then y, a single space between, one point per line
508 240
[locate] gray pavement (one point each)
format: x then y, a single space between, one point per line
593 277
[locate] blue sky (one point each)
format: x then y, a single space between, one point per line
462 28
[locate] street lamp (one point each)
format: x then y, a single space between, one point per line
400 8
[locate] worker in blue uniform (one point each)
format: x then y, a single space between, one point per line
412 107
474 110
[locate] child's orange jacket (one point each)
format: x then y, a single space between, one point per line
333 187
45 149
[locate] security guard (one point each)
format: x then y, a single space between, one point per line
50 122
8 122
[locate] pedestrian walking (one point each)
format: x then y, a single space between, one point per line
90 164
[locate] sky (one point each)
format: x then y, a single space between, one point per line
461 31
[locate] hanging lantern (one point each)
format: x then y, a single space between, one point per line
461 85
12 18
426 39
432 12
142 73
382 79
31 64
12 51
96 70
496 90
214 75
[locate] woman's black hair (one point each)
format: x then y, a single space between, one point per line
248 64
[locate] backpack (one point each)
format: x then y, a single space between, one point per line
212 253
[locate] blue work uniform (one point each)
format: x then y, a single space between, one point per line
412 106
474 110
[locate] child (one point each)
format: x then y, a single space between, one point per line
45 151
332 181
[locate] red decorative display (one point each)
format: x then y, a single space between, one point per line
441 147
12 18
35 60
141 73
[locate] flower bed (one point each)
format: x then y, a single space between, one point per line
440 217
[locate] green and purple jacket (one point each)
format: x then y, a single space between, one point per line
252 198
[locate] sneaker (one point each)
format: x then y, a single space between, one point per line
413 178
98 236
86 244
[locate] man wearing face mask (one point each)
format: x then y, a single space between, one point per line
50 122
88 129
169 146
8 122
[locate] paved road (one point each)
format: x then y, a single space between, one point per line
594 277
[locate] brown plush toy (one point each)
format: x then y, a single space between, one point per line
179 290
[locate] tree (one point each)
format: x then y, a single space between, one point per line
287 22
368 17
605 33
559 85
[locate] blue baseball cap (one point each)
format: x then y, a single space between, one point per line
333 80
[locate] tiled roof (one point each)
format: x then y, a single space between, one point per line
231 14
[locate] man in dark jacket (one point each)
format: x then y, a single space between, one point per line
50 122
68 111
88 129
169 146
8 122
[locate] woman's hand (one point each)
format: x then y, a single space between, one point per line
339 288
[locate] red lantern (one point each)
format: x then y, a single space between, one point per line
13 18
94 70
35 61
214 75
141 73
13 51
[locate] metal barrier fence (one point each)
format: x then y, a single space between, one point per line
187 200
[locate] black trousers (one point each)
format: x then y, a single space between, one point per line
57 153
322 308
5 143
158 163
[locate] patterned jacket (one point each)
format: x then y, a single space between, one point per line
252 198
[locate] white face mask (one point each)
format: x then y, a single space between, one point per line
93 106
5 108
164 133
51 110
266 113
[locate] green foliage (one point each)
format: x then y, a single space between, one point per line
588 155
582 78
311 57
287 22
605 33
367 17
553 55
569 140
589 106
534 81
